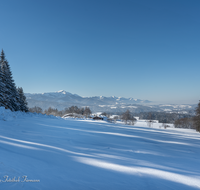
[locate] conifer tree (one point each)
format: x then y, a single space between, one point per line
2 89
14 96
197 118
10 93
22 100
10 97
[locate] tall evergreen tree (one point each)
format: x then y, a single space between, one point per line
2 90
10 92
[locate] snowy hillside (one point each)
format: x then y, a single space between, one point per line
55 153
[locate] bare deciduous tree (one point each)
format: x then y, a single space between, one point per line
128 118
35 109
87 111
150 121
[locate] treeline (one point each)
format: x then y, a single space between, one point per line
187 123
196 118
179 120
11 97
53 111
127 117
162 117
190 123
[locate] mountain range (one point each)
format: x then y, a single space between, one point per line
63 99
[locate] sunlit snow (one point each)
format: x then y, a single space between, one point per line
86 154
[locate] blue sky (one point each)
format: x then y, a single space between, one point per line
141 49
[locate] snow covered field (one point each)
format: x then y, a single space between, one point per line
56 153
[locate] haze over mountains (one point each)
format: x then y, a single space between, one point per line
63 99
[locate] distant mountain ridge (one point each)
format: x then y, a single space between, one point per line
62 99
69 97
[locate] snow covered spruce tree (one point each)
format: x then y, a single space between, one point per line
2 90
9 95
5 90
22 100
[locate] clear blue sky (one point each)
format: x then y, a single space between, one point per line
141 49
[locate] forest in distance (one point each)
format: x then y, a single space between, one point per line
179 120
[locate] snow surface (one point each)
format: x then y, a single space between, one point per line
84 154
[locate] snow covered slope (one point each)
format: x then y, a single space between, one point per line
55 153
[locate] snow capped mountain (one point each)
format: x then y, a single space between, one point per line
62 91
